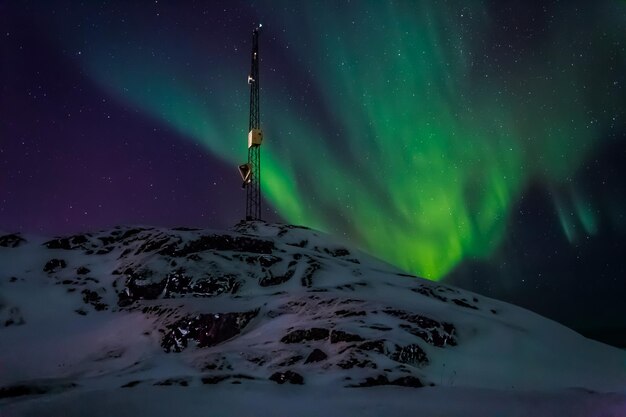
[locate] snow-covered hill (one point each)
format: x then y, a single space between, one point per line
271 319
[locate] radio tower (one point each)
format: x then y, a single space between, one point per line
251 171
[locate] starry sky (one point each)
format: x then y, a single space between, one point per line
481 144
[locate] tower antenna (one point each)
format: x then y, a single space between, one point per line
251 171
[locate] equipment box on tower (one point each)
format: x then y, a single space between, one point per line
255 137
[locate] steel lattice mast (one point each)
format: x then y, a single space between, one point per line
251 172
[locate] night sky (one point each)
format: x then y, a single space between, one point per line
482 144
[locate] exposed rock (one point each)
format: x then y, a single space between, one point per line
63 243
216 379
307 276
337 252
377 346
268 260
183 382
205 329
300 336
411 354
349 313
429 292
53 265
179 283
269 279
431 331
301 244
380 327
33 389
83 270
316 356
141 286
67 243
354 361
405 381
463 303
129 233
108 240
337 336
222 243
14 317
153 244
287 376
92 297
421 321
225 284
22 390
11 241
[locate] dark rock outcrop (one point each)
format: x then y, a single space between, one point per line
309 273
53 265
435 333
287 377
463 303
11 241
33 389
301 336
377 346
83 270
205 329
68 243
93 298
316 356
337 336
221 243
270 279
179 283
411 354
405 381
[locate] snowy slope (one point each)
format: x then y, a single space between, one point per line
148 321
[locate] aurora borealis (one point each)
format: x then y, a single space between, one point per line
413 130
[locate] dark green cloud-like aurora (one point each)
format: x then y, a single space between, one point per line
412 129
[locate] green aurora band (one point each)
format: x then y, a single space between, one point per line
413 138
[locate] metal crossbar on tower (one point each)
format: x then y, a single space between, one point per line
251 171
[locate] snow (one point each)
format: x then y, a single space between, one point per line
71 357
262 400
